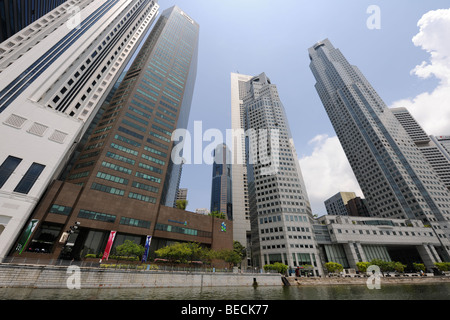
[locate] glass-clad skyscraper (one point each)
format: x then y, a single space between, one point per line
54 76
393 174
125 171
221 196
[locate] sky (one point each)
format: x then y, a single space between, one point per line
406 58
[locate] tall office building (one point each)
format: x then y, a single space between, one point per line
18 14
280 213
336 205
54 76
221 197
119 182
357 207
239 190
443 143
393 174
432 150
182 194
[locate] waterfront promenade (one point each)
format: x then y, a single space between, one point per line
362 280
69 276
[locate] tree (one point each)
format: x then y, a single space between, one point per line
397 266
129 249
240 249
217 214
442 266
185 253
230 256
333 267
419 266
178 252
383 265
362 266
277 266
181 204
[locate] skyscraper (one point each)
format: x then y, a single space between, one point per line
122 178
17 14
280 213
336 205
239 190
430 148
443 142
54 76
221 197
393 174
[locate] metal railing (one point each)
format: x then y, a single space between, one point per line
123 265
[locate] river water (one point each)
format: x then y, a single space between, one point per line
322 292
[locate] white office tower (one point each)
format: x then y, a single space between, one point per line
393 174
429 146
280 214
241 209
443 142
54 76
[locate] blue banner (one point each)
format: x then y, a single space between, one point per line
147 248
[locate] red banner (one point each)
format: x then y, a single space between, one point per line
112 235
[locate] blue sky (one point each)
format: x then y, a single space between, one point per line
254 36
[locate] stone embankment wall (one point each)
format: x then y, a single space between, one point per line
29 276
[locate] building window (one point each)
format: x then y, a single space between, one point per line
7 168
56 208
107 189
135 222
92 215
29 178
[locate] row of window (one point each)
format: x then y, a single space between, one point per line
99 216
182 230
17 86
292 218
385 232
29 178
121 192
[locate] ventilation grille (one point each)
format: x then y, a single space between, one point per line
15 121
58 136
38 129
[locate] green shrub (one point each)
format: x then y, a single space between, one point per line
334 267
419 266
442 266
277 266
362 266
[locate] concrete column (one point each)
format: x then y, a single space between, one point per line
427 256
319 263
351 255
361 251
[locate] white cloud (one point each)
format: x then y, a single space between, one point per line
326 172
432 109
